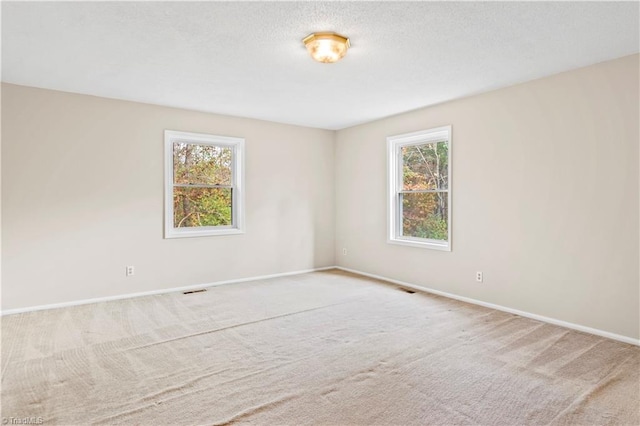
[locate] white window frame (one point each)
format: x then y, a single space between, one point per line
394 186
237 199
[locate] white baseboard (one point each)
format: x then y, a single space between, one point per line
565 324
154 292
554 321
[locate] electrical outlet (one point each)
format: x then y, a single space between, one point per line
344 251
479 276
130 271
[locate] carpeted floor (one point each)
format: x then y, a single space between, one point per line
325 348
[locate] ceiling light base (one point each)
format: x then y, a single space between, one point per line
326 47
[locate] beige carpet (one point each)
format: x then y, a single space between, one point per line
323 348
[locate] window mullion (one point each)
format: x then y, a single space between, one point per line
199 185
400 214
422 191
399 187
233 182
399 172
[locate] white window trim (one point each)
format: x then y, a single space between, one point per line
237 208
394 180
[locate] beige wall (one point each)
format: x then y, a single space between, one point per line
82 197
545 201
545 198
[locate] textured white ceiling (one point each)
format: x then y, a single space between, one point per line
246 59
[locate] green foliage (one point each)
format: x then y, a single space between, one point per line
201 207
201 164
433 227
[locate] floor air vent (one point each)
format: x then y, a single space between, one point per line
406 290
195 291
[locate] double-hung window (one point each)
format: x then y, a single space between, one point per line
203 184
419 188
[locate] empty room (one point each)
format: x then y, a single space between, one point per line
320 213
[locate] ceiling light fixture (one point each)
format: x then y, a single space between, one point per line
326 47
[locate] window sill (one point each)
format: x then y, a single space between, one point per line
425 244
187 233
